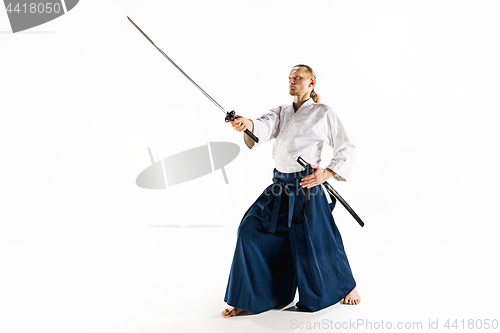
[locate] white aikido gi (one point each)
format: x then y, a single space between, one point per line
303 133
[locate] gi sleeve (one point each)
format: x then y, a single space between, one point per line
344 151
266 126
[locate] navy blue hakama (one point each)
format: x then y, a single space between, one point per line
279 249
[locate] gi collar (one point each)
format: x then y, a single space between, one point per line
306 104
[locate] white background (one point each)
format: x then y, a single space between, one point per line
83 249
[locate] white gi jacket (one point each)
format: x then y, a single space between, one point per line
303 133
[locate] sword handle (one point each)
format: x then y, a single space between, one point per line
230 116
253 137
305 165
334 194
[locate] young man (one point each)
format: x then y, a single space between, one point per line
288 238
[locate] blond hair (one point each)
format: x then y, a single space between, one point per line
315 97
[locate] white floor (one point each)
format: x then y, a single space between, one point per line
167 278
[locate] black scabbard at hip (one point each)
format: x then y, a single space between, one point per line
331 191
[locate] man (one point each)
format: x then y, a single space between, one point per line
288 238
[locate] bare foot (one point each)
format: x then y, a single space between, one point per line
352 298
232 311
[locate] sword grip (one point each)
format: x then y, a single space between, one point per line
253 137
334 194
305 165
230 116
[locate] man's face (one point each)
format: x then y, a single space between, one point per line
299 81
